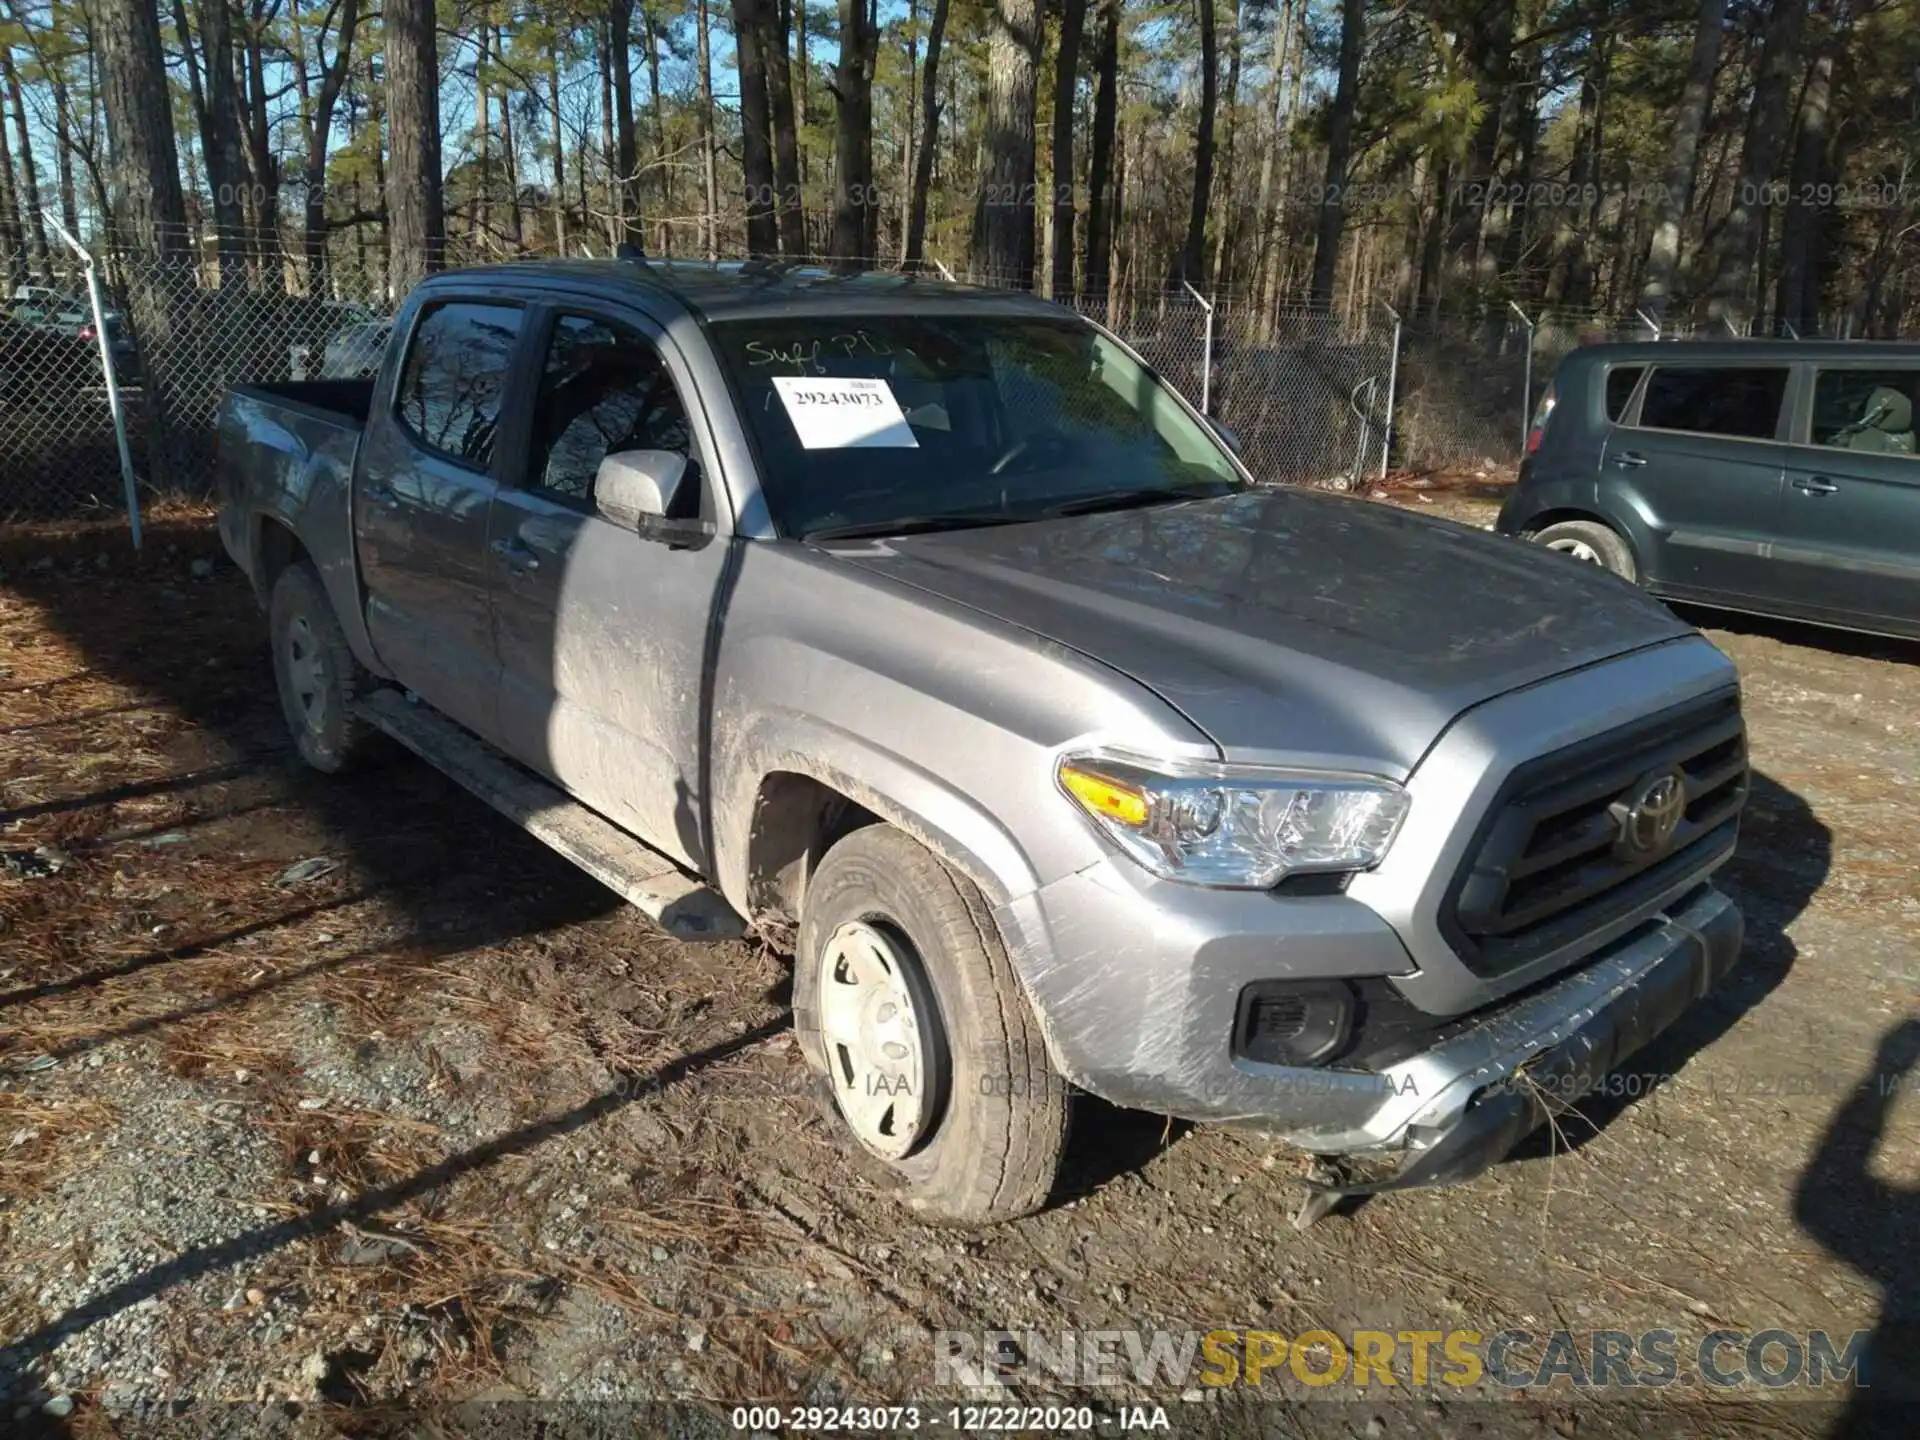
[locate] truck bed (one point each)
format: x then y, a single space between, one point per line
348 401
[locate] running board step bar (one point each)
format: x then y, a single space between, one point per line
681 905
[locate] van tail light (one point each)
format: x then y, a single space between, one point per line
87 332
1538 428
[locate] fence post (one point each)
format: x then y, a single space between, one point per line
98 305
1526 378
1206 350
1393 380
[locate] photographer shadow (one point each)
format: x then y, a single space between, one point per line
1872 1227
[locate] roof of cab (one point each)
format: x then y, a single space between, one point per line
733 289
1738 351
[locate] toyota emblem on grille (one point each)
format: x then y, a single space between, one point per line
1652 813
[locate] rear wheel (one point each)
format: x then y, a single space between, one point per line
318 678
1592 543
906 1003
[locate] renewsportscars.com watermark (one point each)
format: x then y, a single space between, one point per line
1586 1360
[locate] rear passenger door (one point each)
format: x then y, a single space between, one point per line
422 498
1849 544
604 633
1699 456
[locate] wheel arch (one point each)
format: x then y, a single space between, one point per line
797 808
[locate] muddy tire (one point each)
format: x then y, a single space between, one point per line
1592 542
316 674
907 1006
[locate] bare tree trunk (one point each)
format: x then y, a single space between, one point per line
1663 248
482 128
1192 262
786 145
29 173
756 149
709 170
665 229
853 136
219 113
626 148
1100 204
1766 134
558 140
802 74
1265 211
510 156
1488 49
913 252
1066 82
13 248
257 125
149 210
1798 299
907 123
416 217
1226 238
1333 210
1570 282
1003 217
319 141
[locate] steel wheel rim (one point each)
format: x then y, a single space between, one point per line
1577 549
306 672
881 1035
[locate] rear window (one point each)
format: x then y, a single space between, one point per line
1857 408
1620 383
449 393
1735 400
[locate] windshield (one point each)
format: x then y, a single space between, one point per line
871 421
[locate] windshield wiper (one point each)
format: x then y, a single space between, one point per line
914 525
1131 500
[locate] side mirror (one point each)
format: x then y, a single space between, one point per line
633 486
1226 433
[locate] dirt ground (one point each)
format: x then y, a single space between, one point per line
336 1096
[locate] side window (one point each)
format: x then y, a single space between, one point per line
1738 400
1620 382
449 394
604 389
1868 410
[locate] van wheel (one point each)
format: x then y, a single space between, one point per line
317 676
906 1003
1592 542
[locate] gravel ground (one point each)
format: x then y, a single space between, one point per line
332 1096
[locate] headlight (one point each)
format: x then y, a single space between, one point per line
1235 826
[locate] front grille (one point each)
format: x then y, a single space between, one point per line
1549 863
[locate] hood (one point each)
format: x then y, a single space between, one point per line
1283 622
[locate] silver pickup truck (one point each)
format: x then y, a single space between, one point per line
926 631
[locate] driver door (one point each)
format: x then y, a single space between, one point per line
604 634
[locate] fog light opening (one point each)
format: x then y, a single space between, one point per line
1285 1022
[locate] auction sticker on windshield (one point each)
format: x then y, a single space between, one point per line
830 414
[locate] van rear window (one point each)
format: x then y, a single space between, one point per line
1738 400
1620 382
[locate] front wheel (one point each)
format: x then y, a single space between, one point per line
1592 543
905 1001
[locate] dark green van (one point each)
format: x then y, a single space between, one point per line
1779 477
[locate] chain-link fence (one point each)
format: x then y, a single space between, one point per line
58 450
1312 395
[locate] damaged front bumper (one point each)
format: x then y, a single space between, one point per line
1451 1109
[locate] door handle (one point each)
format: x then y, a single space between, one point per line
518 554
1815 485
383 495
1629 460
